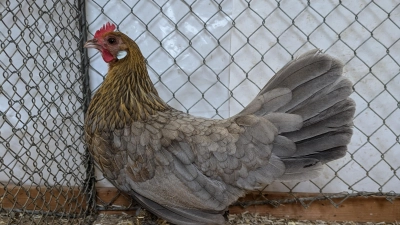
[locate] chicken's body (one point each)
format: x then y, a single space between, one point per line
188 169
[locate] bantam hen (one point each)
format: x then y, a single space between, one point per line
187 169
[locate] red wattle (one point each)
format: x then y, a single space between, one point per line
107 56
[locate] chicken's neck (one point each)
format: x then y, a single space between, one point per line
126 95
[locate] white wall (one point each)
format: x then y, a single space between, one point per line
40 125
380 155
354 38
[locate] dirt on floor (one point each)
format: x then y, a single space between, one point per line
144 218
242 219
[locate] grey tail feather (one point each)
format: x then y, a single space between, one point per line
319 94
180 216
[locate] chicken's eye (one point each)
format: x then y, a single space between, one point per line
112 41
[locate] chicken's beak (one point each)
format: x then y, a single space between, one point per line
92 44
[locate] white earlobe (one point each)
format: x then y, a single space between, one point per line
121 54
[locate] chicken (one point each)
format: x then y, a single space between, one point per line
187 169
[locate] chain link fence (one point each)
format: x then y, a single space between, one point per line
208 58
44 169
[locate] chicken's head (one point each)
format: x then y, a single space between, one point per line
109 42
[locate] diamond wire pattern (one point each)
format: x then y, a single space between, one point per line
219 62
44 168
360 34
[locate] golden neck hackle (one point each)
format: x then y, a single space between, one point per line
127 93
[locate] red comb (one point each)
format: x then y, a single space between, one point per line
106 28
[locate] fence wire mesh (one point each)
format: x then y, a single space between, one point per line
210 58
43 164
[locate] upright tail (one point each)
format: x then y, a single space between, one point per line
312 87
